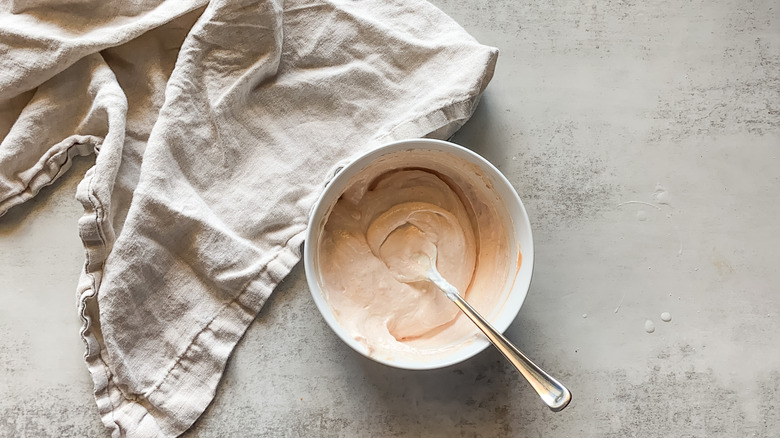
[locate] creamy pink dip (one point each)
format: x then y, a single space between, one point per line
395 216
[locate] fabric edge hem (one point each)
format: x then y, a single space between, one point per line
51 167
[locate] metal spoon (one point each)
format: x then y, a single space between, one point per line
411 257
552 392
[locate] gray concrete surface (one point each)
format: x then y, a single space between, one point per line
593 105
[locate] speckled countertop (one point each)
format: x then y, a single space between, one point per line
644 139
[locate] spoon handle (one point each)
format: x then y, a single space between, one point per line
552 392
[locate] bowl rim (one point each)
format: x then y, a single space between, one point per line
501 322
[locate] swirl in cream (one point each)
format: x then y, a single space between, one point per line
373 252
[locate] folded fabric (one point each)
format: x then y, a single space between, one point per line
216 127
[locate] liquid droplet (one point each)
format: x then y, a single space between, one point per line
660 196
649 326
584 315
666 317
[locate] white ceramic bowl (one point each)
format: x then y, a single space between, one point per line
519 231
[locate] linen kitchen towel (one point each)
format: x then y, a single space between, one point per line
216 126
